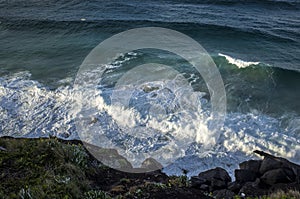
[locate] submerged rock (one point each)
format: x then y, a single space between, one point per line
148 89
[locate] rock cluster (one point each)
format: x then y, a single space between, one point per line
253 178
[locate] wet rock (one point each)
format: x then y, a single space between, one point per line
270 164
252 165
257 183
223 194
252 189
197 181
204 187
148 89
243 175
254 178
217 184
217 173
217 178
282 175
235 187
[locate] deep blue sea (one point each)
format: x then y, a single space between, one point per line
255 45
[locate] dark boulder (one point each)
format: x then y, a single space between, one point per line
217 178
252 189
270 164
223 194
254 178
204 187
281 175
252 165
217 184
235 186
217 173
243 175
197 181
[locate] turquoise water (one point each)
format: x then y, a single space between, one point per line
254 44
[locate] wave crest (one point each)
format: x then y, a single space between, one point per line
238 62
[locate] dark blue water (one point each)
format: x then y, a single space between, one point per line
44 42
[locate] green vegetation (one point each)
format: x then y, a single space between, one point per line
53 168
42 168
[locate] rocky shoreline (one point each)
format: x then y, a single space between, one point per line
55 168
254 178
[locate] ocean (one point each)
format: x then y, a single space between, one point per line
254 44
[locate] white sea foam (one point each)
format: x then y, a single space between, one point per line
144 126
28 109
238 62
241 135
120 59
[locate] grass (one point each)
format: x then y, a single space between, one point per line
53 168
42 168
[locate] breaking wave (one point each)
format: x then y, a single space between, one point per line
238 62
29 109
